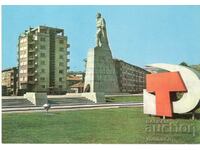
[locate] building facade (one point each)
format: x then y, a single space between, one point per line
43 60
9 81
75 81
196 67
131 79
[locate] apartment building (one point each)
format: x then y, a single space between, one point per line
43 60
131 79
75 81
9 81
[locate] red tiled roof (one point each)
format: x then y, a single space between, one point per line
74 78
78 85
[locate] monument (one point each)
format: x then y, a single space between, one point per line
100 76
161 88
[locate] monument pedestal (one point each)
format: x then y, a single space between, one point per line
95 97
100 72
38 99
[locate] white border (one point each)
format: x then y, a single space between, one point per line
100 2
94 2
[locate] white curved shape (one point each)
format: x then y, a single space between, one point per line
191 79
149 103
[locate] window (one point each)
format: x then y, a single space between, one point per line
42 47
61 41
43 86
42 39
61 49
23 63
43 30
42 54
43 70
60 79
23 56
24 78
61 64
42 78
42 62
60 86
60 71
61 57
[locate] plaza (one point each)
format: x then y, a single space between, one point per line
112 100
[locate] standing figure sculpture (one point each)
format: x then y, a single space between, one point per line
101 35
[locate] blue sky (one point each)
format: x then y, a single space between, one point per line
139 35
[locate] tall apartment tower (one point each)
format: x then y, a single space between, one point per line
43 60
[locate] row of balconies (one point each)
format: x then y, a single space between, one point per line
32 57
34 48
34 73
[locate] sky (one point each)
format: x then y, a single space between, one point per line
139 35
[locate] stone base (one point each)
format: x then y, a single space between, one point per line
38 99
100 72
95 97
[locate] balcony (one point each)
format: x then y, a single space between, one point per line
68 45
31 44
68 52
31 74
31 41
31 50
31 66
31 58
31 82
68 60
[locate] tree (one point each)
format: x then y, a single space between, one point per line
184 64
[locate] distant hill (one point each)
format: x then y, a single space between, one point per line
196 67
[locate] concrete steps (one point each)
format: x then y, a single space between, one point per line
17 102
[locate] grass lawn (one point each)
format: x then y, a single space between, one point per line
125 99
121 125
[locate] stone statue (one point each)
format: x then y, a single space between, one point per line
100 77
101 35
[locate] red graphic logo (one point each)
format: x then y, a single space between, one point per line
163 85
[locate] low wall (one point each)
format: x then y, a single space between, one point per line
95 97
38 99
